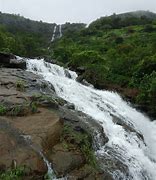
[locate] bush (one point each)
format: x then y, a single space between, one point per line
148 92
149 28
85 58
15 174
3 110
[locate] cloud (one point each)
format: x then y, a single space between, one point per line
61 11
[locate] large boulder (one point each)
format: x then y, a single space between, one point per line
64 161
14 148
11 61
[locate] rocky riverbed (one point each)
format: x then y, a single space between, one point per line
34 121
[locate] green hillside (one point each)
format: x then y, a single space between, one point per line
25 37
118 53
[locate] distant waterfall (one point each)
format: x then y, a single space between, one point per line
54 33
132 141
60 31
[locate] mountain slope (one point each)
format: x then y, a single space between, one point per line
116 54
30 38
123 20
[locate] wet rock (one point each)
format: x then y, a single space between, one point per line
43 129
128 127
80 70
68 75
112 163
5 58
70 106
10 61
78 119
80 78
84 82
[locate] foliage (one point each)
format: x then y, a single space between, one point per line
14 174
148 91
115 50
118 49
85 57
3 110
20 85
28 38
19 110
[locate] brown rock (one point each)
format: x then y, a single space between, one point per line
22 138
65 161
13 149
44 128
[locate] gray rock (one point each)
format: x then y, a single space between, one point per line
10 61
67 74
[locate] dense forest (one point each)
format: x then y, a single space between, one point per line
118 52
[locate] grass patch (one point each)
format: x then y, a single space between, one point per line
15 174
18 110
3 110
20 85
49 100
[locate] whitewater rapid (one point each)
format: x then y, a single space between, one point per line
138 155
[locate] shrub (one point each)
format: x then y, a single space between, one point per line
85 58
3 110
20 85
15 174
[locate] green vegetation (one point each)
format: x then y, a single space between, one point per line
19 110
28 38
82 140
116 51
50 101
20 85
3 110
14 174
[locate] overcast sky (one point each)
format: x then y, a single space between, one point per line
61 11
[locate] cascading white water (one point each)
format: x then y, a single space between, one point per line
139 156
54 33
60 31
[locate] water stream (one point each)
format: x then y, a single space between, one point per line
54 33
60 31
138 155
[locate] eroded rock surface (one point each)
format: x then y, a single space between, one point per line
33 122
25 130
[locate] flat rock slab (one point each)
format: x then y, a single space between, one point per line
44 127
31 84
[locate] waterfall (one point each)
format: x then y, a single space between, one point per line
54 33
137 154
60 31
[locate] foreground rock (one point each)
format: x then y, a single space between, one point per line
33 124
25 129
11 61
15 149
